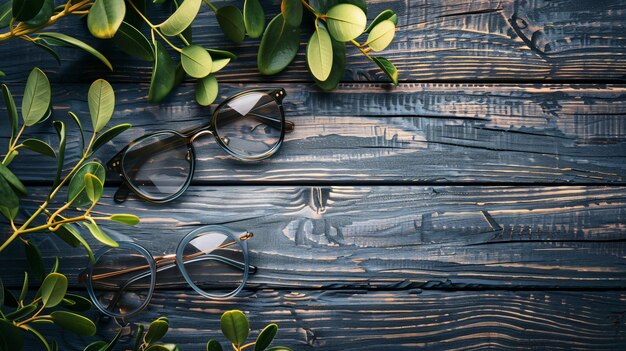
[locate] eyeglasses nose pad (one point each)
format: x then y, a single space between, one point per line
188 155
225 140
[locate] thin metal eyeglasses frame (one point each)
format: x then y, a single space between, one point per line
161 263
115 164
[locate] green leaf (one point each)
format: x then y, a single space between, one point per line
23 10
55 267
1 293
99 235
213 345
43 45
132 17
222 53
109 135
96 346
339 66
39 147
196 61
235 327
60 129
21 312
76 303
12 179
219 63
319 53
6 13
9 202
72 237
9 299
11 110
163 347
75 190
279 46
93 187
231 21
138 337
381 36
292 12
163 74
80 127
390 70
387 15
133 42
101 103
279 348
73 322
105 17
53 289
24 289
37 96
345 21
35 261
265 337
181 18
10 336
43 15
253 18
10 157
156 330
38 335
206 90
70 41
125 219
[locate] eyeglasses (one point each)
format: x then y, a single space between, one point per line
213 260
159 167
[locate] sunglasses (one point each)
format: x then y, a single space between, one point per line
159 167
213 260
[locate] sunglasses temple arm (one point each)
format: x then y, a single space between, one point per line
122 193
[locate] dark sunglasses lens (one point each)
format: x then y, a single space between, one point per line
158 166
121 280
250 125
214 262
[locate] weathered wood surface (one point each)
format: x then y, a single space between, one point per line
363 133
436 40
392 237
356 320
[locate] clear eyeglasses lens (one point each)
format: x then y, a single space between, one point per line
250 125
158 166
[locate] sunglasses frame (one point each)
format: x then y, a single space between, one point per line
115 164
241 239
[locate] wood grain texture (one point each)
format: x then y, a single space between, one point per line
362 133
389 237
355 320
436 40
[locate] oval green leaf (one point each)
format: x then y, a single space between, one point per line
157 330
38 335
37 96
213 345
345 21
6 14
253 18
72 237
99 235
222 53
39 146
21 312
181 18
390 70
24 10
105 17
43 16
11 110
133 42
163 74
319 53
235 327
109 135
125 219
383 16
265 337
75 190
53 289
220 63
206 90
231 21
9 201
96 346
70 41
10 336
101 103
339 66
13 180
292 11
279 348
35 261
76 303
60 129
279 46
196 61
381 36
73 322
80 127
93 187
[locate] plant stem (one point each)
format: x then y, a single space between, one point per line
364 51
184 40
211 6
154 28
247 345
311 9
13 144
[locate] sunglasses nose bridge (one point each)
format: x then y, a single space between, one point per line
199 134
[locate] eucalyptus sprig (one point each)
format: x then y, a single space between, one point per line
85 180
19 315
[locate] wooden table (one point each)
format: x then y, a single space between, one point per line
480 204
